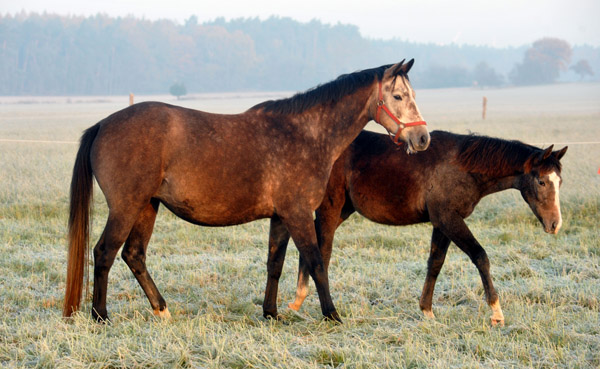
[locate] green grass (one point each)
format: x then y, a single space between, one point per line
213 278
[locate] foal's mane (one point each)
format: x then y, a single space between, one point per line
326 93
497 157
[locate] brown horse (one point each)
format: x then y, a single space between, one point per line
272 161
441 185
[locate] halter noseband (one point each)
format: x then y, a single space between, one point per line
381 105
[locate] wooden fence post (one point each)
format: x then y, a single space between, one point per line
130 99
484 107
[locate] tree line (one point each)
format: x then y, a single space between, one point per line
47 54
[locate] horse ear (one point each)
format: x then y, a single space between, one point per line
406 67
548 152
395 69
559 154
536 159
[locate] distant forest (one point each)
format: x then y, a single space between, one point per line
46 54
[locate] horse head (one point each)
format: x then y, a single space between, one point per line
397 111
540 187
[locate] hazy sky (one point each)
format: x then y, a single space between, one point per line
481 22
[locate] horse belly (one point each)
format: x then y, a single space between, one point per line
391 207
214 204
386 214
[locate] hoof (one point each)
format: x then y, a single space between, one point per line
269 315
334 317
497 322
163 314
293 306
497 317
428 314
100 318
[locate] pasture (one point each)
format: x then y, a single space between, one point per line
213 278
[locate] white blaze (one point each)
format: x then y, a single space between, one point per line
555 179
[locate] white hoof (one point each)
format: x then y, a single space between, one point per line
164 314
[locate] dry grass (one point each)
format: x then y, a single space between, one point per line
213 278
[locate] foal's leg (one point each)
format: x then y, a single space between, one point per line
437 255
456 229
134 254
301 227
278 241
115 233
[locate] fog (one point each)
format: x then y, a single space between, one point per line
492 23
118 47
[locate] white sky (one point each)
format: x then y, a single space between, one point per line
480 22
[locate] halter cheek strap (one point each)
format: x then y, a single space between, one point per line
381 106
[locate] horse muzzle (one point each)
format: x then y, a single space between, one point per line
420 142
417 141
552 225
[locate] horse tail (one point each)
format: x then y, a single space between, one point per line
82 186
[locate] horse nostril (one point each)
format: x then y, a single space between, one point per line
423 140
554 226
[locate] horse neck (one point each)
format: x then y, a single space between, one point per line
335 126
492 185
492 167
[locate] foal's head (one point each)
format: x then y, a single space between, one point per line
540 184
397 111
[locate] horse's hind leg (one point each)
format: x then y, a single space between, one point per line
115 233
134 254
437 255
278 241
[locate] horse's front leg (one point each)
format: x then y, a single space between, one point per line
325 232
453 226
328 218
302 230
437 255
278 241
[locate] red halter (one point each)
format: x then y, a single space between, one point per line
401 126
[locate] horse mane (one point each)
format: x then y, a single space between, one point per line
497 157
326 93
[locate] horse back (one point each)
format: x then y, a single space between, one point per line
209 169
387 185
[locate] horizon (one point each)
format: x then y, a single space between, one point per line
496 25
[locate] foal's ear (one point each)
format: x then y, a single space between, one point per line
548 152
559 154
536 158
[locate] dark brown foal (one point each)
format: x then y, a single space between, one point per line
441 185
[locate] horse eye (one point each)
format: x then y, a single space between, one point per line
398 97
541 183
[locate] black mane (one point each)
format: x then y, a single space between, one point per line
498 157
323 94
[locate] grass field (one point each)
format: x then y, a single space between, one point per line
213 278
